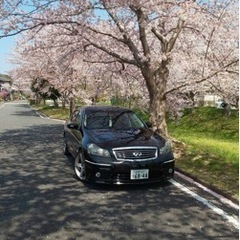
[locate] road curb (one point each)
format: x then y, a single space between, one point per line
232 219
2 104
222 196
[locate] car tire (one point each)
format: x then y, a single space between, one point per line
80 167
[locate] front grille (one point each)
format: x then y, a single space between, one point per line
135 153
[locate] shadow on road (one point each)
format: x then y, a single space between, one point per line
41 199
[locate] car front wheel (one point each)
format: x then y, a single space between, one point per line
79 167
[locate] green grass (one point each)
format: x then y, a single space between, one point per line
212 148
54 112
226 150
211 122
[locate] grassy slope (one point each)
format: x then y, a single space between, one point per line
53 112
212 152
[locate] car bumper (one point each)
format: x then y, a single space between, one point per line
120 172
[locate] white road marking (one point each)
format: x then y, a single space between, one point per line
233 220
1 106
220 197
14 103
41 116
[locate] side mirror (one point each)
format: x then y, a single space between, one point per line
149 124
72 125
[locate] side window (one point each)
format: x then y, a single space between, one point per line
135 121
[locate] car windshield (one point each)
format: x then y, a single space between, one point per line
112 120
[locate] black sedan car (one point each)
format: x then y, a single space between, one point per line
113 145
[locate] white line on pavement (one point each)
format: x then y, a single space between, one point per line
220 197
233 220
1 106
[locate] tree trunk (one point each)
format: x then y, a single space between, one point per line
227 109
63 103
158 115
157 84
71 106
55 103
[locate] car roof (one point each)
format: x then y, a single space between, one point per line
104 108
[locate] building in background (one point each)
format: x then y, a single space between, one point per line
5 82
5 87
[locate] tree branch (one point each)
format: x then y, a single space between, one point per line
106 34
224 69
127 39
160 37
142 30
112 53
175 35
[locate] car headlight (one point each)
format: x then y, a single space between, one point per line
166 148
96 150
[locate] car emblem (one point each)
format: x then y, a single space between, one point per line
137 154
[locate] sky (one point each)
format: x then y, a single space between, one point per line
6 45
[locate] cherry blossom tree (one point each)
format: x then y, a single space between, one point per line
4 94
172 45
56 59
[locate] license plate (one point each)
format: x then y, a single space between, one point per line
139 174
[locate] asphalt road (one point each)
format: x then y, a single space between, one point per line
41 199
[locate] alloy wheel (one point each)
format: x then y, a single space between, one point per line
79 167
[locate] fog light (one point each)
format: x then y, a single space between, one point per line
170 170
98 174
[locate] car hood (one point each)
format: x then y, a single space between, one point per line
119 138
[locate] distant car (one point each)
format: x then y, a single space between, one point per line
113 145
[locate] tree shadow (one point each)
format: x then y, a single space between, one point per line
41 199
